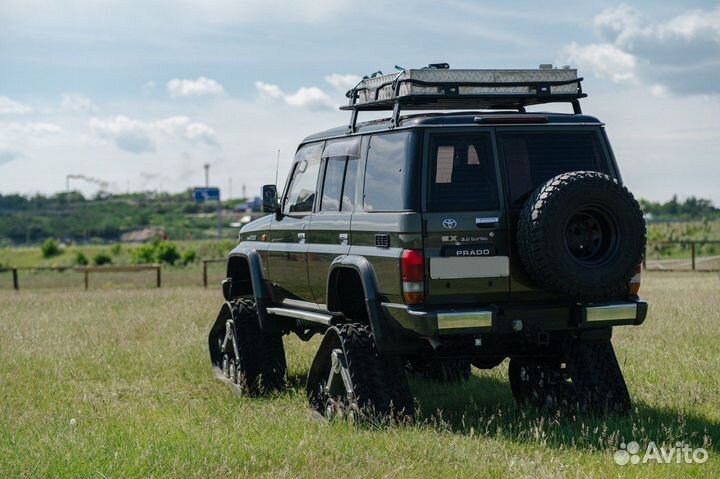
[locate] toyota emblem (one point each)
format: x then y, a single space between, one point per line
449 224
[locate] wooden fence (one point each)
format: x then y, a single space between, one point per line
680 263
86 270
205 263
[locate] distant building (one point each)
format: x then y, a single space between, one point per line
255 205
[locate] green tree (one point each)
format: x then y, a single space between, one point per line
143 254
50 248
167 252
190 256
81 259
102 258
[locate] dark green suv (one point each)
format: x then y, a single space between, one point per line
427 243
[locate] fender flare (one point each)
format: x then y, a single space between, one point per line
368 280
259 291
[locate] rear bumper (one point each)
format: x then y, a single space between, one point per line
509 319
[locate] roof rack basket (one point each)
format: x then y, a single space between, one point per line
440 88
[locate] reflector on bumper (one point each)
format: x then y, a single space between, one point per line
612 312
449 321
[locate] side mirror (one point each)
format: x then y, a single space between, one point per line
269 199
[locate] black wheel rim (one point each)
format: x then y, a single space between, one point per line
591 235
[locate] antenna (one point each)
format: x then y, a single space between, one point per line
277 166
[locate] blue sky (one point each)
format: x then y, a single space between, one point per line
141 94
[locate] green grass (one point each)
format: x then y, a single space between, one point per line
130 367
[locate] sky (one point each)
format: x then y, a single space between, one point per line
139 95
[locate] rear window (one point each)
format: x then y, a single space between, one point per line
463 175
532 158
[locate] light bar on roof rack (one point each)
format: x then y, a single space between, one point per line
447 89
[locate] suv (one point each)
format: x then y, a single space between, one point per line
430 242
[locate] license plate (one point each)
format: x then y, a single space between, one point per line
471 250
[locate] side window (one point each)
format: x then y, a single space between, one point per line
333 183
463 176
385 172
301 192
348 194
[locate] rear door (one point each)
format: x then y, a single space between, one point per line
529 157
466 233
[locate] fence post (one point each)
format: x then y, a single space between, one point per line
87 279
16 284
692 247
205 281
158 276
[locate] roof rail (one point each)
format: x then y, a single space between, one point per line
445 89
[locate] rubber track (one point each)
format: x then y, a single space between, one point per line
262 355
598 381
380 383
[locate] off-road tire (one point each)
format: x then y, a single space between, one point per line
380 385
260 365
543 232
446 370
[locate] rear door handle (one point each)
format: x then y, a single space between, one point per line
487 222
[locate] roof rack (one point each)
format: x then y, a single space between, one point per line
439 88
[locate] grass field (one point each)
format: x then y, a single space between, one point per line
116 383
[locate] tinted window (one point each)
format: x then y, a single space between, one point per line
462 175
385 172
301 193
533 158
333 183
348 195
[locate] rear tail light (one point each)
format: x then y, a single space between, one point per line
413 276
634 284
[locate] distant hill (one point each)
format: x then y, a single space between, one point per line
71 217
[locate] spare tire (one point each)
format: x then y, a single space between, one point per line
582 234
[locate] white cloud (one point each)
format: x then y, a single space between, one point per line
343 83
128 134
191 131
311 98
11 107
32 128
269 92
604 60
679 55
612 23
8 154
77 103
201 87
138 136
